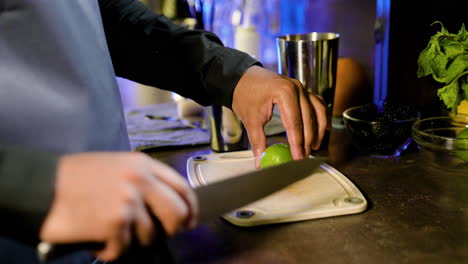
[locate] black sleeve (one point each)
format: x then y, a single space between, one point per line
26 192
150 49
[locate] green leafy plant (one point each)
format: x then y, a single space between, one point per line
446 59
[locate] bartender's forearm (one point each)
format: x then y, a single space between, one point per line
150 49
26 191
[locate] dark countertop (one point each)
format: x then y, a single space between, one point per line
417 213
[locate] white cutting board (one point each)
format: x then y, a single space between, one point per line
326 192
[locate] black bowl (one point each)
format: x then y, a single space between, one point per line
380 132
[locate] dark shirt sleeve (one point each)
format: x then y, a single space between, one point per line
26 192
150 49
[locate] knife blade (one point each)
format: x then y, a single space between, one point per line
215 199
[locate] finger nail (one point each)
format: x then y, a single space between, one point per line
317 146
301 155
308 151
257 162
298 154
191 224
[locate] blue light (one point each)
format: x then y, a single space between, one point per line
293 19
381 52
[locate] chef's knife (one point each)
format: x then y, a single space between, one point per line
217 198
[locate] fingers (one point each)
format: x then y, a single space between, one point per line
166 204
144 227
135 221
119 238
115 246
160 191
304 118
320 113
257 140
173 179
289 105
309 123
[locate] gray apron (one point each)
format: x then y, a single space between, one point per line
57 85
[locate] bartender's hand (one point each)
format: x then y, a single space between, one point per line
111 197
303 115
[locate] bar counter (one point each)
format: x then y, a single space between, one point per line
417 213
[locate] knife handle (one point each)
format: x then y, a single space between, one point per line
157 253
47 251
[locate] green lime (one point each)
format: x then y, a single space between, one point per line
462 143
275 154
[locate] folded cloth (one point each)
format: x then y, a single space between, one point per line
158 125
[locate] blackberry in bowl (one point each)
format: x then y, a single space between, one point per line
380 132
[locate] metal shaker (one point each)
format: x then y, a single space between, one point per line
312 59
226 130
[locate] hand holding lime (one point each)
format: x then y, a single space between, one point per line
275 154
461 142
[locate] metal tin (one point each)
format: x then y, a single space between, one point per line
227 133
312 59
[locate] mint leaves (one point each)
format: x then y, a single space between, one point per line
446 59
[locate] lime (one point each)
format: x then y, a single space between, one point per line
462 143
275 154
